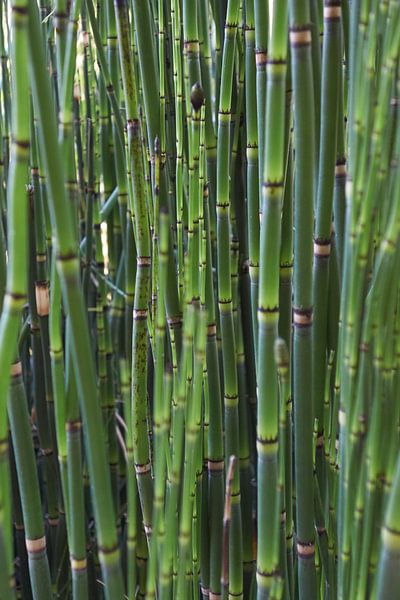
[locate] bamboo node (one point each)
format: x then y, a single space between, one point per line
70 256
332 13
340 170
262 575
35 546
215 465
4 447
276 62
261 58
211 330
104 552
85 39
305 550
300 37
268 309
14 299
267 445
20 10
42 298
78 564
139 314
391 538
322 249
273 184
73 426
16 369
143 261
191 45
142 469
302 318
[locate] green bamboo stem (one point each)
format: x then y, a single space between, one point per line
300 40
142 239
261 20
160 411
17 242
324 202
215 443
23 571
192 436
39 303
246 467
357 282
29 487
387 576
268 304
178 81
206 65
252 164
225 291
281 355
148 67
77 534
318 31
227 526
178 413
68 268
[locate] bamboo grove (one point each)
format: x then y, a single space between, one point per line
200 299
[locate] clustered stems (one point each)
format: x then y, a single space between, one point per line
199 299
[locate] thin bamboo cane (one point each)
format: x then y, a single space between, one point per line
300 40
29 487
268 304
225 291
17 215
69 272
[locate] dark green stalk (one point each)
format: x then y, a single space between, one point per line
261 49
215 442
178 412
29 487
252 164
142 16
225 291
77 533
281 355
192 433
324 202
300 40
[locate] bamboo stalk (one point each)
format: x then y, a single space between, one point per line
300 40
